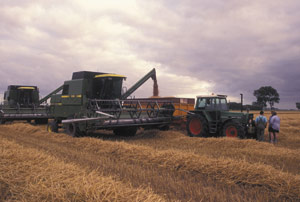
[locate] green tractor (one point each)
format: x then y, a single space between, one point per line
211 117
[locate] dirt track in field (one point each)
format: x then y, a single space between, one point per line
173 166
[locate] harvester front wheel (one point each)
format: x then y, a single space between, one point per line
52 127
197 126
233 129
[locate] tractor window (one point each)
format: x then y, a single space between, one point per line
223 101
223 104
217 104
209 103
201 102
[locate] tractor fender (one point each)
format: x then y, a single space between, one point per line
196 113
231 119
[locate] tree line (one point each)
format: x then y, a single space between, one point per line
264 95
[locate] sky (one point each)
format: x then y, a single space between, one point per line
197 47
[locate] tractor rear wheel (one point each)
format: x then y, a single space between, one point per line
197 126
125 131
233 129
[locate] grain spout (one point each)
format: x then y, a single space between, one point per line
155 88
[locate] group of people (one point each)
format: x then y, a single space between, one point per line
261 123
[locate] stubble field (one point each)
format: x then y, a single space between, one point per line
152 166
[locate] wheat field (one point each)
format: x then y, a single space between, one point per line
152 166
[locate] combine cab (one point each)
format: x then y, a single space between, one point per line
94 100
211 117
22 103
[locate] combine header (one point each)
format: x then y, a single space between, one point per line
94 100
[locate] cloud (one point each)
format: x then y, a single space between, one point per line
197 47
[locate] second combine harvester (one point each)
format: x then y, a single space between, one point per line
94 100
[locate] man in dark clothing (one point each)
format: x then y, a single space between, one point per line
261 123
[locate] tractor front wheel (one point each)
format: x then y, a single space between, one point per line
233 129
197 126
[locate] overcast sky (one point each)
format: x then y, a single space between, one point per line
197 47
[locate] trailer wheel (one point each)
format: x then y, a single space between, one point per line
73 130
197 126
233 129
125 131
52 127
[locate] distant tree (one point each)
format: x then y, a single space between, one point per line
298 105
266 94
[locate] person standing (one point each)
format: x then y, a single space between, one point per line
270 128
261 123
275 127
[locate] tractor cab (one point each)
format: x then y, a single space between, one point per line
212 102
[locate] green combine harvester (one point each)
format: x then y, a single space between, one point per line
94 100
22 103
